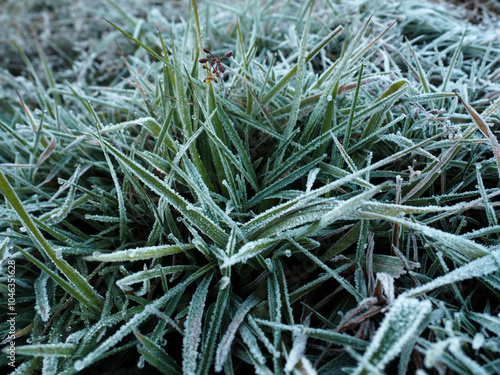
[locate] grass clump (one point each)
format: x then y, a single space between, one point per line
323 198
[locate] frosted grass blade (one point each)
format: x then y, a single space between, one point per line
86 293
477 268
397 328
341 339
156 356
179 203
136 320
139 253
193 330
287 78
225 344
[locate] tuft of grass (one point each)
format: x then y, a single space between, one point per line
322 198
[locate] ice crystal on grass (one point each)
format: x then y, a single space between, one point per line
397 328
193 329
42 305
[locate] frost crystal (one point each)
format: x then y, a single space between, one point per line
397 328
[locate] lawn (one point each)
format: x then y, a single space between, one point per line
240 187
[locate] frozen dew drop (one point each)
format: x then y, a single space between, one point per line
96 254
68 329
288 253
478 341
329 98
79 365
225 281
269 265
29 340
193 117
140 363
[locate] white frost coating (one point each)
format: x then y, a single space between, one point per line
58 253
490 322
141 276
42 305
248 251
225 344
4 249
193 330
398 327
224 283
127 124
436 350
348 206
139 253
454 344
127 327
476 268
79 365
297 352
49 366
47 350
452 243
308 367
311 177
59 214
269 264
478 341
252 344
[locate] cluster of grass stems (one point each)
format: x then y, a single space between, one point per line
328 204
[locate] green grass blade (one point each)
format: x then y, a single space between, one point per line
91 298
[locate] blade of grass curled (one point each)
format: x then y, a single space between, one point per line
195 217
87 294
